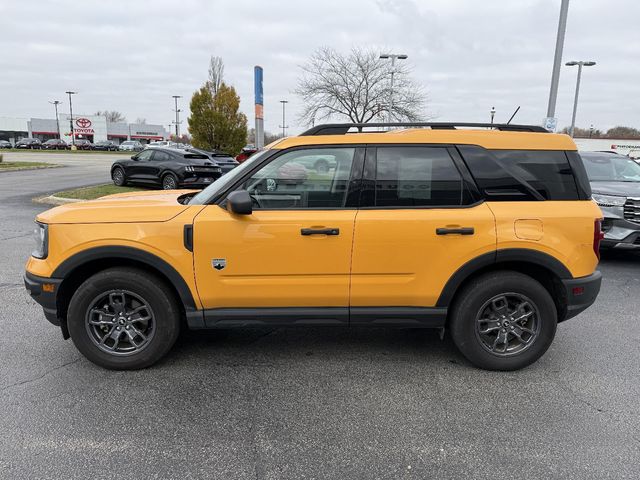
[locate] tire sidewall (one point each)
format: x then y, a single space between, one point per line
124 178
149 288
175 180
476 294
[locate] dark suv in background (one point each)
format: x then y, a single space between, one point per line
615 186
168 168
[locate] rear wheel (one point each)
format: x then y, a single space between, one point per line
118 177
503 321
123 319
169 182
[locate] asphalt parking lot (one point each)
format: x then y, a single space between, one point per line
309 403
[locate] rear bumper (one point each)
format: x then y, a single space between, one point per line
581 293
44 291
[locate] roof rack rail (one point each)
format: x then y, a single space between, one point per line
343 128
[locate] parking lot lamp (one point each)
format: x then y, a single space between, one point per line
284 126
73 138
177 110
393 57
580 64
55 103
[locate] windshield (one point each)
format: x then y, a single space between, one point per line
610 168
226 180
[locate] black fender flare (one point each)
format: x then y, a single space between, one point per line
129 253
523 255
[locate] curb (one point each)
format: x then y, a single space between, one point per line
21 169
53 200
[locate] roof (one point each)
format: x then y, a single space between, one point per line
487 138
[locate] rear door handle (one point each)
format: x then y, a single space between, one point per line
455 231
319 231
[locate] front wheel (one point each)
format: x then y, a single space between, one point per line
503 321
118 177
123 319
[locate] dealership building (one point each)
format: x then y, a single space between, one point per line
94 128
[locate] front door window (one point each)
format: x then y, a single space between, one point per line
311 178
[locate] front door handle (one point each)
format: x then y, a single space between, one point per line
319 231
455 231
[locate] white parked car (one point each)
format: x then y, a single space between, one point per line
131 146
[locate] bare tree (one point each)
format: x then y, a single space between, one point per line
141 121
112 116
357 86
216 74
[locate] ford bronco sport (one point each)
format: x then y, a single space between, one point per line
487 232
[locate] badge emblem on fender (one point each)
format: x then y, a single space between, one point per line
219 263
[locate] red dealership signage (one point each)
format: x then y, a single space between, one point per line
83 126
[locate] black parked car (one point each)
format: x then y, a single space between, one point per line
225 161
83 144
168 168
5 144
30 143
106 145
55 144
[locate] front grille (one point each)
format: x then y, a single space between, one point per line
632 210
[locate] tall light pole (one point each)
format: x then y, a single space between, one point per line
73 137
55 103
580 64
493 113
284 126
177 110
557 59
393 57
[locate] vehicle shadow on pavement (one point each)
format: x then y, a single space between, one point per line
246 345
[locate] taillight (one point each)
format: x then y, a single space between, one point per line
598 235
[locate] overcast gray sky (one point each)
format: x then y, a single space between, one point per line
469 55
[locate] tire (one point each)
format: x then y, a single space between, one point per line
94 301
118 177
476 317
321 166
169 181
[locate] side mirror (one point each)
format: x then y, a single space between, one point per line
134 157
239 202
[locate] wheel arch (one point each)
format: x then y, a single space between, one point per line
544 268
77 268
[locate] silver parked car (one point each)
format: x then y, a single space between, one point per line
615 185
131 146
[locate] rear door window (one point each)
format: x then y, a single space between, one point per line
416 177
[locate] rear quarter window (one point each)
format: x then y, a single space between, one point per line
509 175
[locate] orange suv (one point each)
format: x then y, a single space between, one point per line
486 231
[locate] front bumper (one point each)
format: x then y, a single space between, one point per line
44 291
618 231
581 293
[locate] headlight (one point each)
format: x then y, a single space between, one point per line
41 237
609 200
